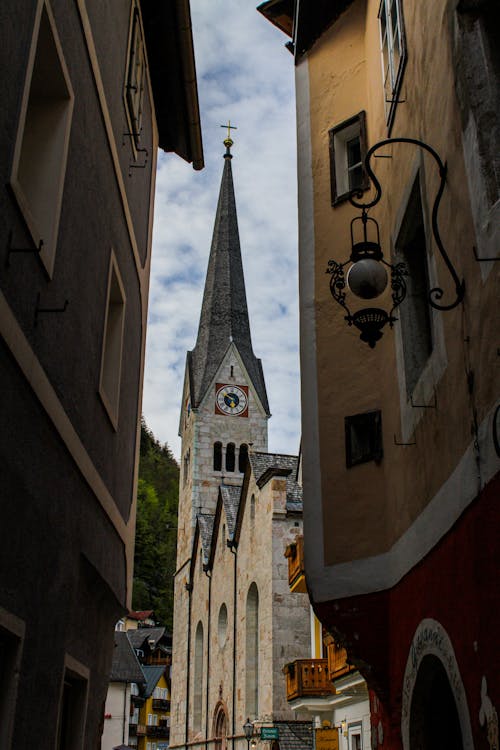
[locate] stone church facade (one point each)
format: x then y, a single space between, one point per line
235 622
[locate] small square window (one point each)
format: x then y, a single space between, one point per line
363 438
347 154
136 78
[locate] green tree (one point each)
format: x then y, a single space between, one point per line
156 528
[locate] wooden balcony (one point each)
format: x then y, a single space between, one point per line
307 678
337 658
140 730
296 570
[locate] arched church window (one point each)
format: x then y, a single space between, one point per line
186 466
243 458
252 653
217 456
230 457
198 677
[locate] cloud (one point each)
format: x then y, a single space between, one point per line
246 75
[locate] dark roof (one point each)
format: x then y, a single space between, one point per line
224 313
138 638
230 500
295 735
169 44
125 666
267 465
308 24
206 522
151 675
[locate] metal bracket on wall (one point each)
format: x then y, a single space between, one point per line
35 250
139 166
396 442
483 260
39 310
425 406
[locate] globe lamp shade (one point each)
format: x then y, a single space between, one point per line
367 278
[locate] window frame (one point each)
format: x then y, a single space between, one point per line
370 420
135 80
338 138
396 76
111 402
77 673
13 629
27 123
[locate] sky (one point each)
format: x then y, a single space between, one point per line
245 75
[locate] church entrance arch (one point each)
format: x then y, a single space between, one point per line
434 712
219 727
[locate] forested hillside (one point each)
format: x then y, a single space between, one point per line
156 530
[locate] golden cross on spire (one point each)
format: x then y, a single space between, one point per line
228 142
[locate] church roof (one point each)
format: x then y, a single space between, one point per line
206 522
231 499
224 313
267 465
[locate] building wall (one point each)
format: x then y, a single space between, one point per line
116 716
68 472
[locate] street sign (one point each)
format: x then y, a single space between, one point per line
327 739
269 733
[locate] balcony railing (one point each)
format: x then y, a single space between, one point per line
140 729
307 678
161 704
158 731
296 570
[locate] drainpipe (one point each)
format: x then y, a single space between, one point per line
234 550
208 654
189 589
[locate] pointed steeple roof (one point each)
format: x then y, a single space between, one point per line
224 313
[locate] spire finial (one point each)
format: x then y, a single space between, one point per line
228 142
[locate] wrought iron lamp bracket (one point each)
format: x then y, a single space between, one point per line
436 293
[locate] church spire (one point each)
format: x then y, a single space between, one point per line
224 313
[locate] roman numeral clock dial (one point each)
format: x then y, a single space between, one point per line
231 400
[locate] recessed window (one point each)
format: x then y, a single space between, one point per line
414 313
73 707
136 77
111 365
393 47
347 154
41 150
198 678
243 458
217 456
11 639
230 457
363 438
222 625
355 736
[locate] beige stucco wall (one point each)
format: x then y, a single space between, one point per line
117 707
366 509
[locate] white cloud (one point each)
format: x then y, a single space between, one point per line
246 75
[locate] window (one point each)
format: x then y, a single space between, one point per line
217 456
198 678
355 740
111 364
252 508
363 438
230 457
41 150
136 75
347 154
187 458
414 312
393 47
252 653
243 458
73 706
222 625
11 639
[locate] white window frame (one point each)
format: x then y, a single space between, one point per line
339 138
42 142
354 730
393 54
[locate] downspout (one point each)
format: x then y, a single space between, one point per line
189 589
234 550
208 654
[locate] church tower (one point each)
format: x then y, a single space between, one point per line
224 409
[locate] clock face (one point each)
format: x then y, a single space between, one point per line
232 399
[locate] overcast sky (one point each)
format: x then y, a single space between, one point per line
245 75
